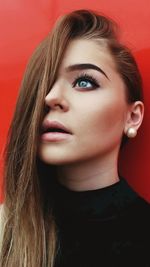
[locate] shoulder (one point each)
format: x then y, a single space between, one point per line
2 217
132 215
132 203
1 213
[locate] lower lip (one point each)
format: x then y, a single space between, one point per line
54 136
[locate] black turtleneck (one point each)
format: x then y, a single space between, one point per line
107 227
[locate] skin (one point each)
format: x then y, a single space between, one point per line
97 116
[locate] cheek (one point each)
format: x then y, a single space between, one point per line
105 119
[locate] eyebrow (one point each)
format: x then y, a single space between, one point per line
85 66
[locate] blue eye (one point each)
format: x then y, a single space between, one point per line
85 81
84 84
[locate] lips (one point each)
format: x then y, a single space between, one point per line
54 127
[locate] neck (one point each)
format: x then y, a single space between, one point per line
89 175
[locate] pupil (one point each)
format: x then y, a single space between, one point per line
83 84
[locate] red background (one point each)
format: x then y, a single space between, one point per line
24 23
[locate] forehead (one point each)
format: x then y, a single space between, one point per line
88 51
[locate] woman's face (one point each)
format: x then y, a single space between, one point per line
89 99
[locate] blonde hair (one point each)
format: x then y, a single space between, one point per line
29 236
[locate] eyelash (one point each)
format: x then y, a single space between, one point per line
87 78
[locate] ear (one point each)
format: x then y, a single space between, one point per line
135 116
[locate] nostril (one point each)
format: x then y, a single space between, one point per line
46 109
56 103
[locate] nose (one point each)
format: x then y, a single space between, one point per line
56 99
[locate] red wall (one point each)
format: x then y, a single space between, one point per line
23 23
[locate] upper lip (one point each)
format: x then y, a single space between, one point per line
48 124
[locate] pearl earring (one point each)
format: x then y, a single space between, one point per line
131 132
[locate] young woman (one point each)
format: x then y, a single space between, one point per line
65 202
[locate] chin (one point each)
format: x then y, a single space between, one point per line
53 160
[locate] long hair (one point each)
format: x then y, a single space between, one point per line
29 229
